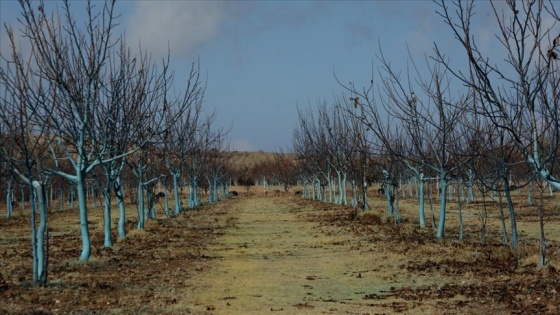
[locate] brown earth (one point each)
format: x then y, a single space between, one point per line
280 255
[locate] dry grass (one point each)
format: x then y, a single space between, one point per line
277 252
241 159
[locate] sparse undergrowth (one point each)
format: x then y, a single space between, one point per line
380 267
144 273
471 272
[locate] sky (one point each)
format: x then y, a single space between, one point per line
264 59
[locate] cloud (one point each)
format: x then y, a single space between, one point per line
183 25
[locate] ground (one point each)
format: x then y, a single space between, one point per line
280 254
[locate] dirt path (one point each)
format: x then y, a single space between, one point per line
272 261
262 255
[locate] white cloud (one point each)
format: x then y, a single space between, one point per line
183 25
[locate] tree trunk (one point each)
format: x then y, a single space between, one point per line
421 201
72 197
215 185
365 205
542 256
505 237
141 211
339 199
119 192
331 190
483 219
193 198
460 207
60 199
84 228
9 200
396 198
107 240
443 206
34 237
176 192
151 201
513 223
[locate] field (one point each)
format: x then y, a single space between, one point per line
277 253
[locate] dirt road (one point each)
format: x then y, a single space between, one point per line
270 260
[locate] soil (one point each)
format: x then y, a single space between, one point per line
282 255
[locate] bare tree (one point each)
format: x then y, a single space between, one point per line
179 139
431 117
24 142
310 143
423 106
127 108
99 94
359 154
521 94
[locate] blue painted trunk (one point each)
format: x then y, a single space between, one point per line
193 193
47 198
354 194
421 201
151 201
191 197
215 179
60 198
471 184
513 223
107 240
84 228
166 201
176 192
223 190
141 211
340 195
119 192
389 195
34 237
313 190
331 189
342 188
210 193
365 205
443 206
9 207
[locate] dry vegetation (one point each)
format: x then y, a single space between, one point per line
145 273
375 265
248 159
461 272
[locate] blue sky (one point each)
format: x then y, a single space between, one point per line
263 59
